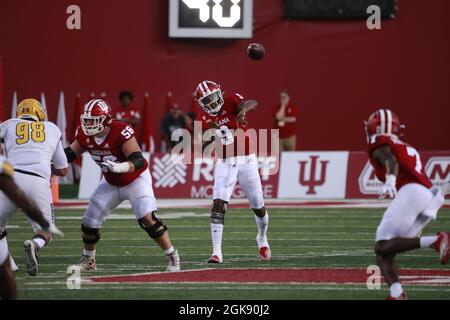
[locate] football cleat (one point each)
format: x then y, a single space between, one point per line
174 262
403 296
31 257
215 259
87 263
265 254
264 248
442 246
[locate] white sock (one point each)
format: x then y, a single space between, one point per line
216 237
396 290
40 242
262 224
13 264
169 251
426 242
89 254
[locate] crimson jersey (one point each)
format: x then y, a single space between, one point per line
410 166
110 148
227 123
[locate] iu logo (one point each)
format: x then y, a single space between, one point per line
313 181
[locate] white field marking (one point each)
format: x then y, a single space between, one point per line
356 252
299 206
274 203
248 232
253 227
165 215
279 255
182 215
87 282
226 240
288 213
257 287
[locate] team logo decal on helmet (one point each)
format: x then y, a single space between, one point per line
96 117
30 109
209 97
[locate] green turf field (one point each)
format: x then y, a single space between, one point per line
302 238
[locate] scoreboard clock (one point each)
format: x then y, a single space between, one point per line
211 18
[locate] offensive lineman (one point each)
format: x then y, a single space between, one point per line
114 148
236 162
416 203
33 146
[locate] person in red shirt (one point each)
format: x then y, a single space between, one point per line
126 112
415 203
114 148
223 116
285 115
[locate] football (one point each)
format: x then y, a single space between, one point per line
256 51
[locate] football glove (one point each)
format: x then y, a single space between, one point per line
389 188
115 167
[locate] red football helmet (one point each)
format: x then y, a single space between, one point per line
209 97
96 117
383 122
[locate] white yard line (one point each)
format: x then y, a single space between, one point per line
281 203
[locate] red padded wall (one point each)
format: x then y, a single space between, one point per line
338 71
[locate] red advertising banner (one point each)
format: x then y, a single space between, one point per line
362 182
302 175
179 180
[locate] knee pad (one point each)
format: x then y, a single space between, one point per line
222 206
261 211
156 230
217 217
95 233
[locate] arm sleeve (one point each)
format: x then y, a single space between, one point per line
59 157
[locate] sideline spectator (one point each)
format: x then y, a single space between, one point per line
173 120
285 116
127 112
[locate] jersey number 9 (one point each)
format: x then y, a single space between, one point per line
23 132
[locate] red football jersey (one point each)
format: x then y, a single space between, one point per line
227 123
111 149
289 128
410 165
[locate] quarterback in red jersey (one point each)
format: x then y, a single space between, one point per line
225 115
114 148
415 203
